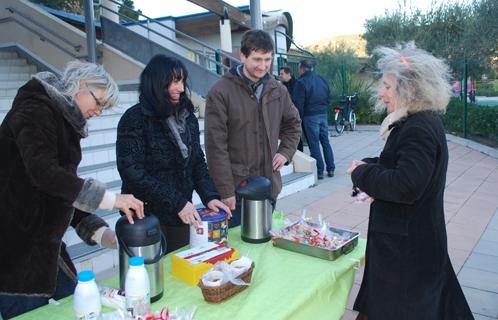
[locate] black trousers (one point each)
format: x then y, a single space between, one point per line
176 236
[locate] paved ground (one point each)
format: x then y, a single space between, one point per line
471 206
489 101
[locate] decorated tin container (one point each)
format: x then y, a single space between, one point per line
214 228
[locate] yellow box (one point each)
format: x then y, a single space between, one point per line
192 273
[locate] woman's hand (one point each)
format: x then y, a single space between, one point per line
354 164
230 202
130 205
189 215
216 205
109 239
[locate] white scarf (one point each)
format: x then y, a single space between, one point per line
391 118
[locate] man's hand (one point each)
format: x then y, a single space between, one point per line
130 205
189 215
278 161
230 202
216 205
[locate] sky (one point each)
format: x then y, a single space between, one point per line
314 20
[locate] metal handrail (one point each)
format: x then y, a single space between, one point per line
166 38
202 44
42 37
76 47
292 41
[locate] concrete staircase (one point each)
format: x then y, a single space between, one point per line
99 159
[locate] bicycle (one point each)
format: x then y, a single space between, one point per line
345 115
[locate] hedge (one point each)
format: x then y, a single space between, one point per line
482 121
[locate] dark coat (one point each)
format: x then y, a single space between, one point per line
242 132
38 184
152 167
311 95
290 85
408 273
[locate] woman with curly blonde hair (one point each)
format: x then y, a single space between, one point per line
408 273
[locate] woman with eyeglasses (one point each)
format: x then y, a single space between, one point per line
40 191
159 153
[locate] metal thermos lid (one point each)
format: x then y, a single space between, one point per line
143 232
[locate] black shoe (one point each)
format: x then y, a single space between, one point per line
320 176
330 174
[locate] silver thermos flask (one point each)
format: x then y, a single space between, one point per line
256 209
145 239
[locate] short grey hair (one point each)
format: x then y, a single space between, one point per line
422 80
95 77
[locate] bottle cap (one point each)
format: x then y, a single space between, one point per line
85 275
136 261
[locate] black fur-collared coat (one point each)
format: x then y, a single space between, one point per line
152 167
408 273
38 185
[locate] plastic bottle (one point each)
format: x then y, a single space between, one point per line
137 288
86 297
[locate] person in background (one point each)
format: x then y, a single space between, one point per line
288 80
159 153
247 112
408 273
312 96
40 191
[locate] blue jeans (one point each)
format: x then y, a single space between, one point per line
317 132
13 305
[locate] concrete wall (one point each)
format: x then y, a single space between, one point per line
159 37
119 65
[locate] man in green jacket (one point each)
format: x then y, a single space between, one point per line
247 112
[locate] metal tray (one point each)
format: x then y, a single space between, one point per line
319 252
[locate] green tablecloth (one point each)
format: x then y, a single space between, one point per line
285 285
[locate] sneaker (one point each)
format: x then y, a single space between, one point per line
320 176
330 174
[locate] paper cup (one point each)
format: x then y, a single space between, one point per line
212 278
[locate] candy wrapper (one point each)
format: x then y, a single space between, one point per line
361 196
311 233
164 314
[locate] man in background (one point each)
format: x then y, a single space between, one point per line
311 95
288 80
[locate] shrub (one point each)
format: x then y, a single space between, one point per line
487 88
482 121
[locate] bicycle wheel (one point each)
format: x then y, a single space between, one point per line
339 122
352 120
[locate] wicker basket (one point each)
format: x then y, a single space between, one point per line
226 290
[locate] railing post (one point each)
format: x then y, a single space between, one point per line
219 69
90 32
464 96
280 63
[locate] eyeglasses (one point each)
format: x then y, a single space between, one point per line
100 106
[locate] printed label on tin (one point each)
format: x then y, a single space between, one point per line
214 228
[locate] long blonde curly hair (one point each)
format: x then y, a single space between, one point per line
422 80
